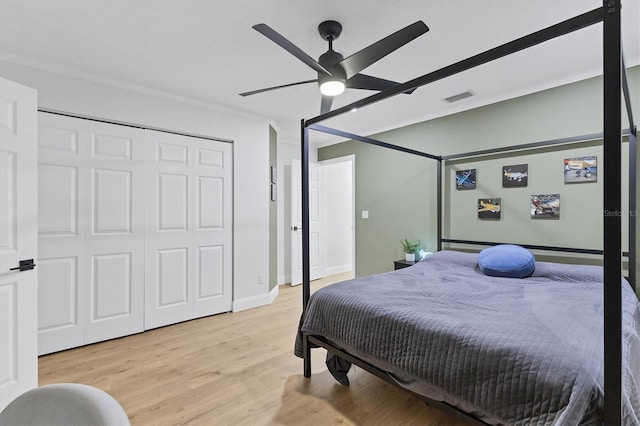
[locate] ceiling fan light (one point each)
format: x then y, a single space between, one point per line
332 87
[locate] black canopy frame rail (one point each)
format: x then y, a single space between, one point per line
614 86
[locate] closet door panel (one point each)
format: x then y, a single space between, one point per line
172 201
91 231
210 203
62 223
60 302
115 234
111 286
189 234
210 269
54 136
112 202
169 254
173 277
62 287
58 200
212 234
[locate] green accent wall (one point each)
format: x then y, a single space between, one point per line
399 190
273 212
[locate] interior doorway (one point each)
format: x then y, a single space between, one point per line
332 207
339 212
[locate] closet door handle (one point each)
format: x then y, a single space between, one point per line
24 265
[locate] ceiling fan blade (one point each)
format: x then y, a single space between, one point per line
253 92
325 105
274 36
378 50
367 82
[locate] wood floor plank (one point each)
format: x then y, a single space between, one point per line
234 369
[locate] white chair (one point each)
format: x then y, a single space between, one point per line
64 404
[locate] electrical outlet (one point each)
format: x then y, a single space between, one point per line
260 279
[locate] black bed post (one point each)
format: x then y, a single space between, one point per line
439 209
633 206
633 176
306 275
612 58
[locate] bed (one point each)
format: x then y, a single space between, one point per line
611 347
505 350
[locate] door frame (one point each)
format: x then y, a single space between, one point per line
352 159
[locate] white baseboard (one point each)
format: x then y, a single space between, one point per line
332 270
255 301
284 279
274 293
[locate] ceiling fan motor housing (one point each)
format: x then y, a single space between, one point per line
330 60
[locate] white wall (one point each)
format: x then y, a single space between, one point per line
251 155
338 219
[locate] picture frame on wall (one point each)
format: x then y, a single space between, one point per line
545 206
515 176
581 169
489 208
466 179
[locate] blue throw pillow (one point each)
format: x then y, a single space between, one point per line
506 260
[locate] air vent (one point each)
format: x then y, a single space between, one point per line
459 96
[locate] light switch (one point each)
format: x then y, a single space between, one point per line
365 214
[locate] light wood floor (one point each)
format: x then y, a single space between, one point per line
233 369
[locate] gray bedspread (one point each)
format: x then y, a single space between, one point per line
509 351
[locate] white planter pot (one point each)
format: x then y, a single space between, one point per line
410 257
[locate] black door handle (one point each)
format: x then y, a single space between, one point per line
24 265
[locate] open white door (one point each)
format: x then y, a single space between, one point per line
18 241
315 190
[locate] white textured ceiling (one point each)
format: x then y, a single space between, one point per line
205 51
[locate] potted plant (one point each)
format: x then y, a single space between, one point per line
410 249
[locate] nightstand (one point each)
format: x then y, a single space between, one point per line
399 264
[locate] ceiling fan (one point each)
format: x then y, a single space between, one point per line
335 72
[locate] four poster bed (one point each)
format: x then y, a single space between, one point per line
559 344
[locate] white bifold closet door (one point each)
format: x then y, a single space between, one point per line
134 231
189 228
90 231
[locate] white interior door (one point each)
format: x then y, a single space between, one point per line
189 228
91 231
18 240
316 262
296 223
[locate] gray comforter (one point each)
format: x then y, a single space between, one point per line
509 351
